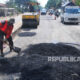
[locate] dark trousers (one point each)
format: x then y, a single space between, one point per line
2 39
10 42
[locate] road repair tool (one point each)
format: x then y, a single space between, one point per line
15 49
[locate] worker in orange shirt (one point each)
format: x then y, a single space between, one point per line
6 28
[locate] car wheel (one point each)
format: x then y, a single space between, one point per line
77 23
63 20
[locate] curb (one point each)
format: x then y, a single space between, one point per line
16 32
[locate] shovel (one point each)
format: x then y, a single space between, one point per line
15 49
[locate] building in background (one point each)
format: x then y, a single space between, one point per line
2 5
5 11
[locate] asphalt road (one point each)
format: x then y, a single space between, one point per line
49 31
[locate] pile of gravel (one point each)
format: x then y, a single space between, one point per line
34 65
50 49
51 70
38 68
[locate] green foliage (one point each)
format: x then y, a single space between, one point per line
20 5
57 3
53 3
78 2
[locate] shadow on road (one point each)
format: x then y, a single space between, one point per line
71 24
28 29
29 26
27 34
47 19
34 64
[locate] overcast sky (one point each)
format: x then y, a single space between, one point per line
3 1
42 2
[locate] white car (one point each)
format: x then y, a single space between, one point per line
71 14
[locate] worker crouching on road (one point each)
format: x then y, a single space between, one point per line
6 28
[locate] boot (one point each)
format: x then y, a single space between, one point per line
2 55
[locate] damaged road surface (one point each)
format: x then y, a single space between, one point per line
34 64
39 44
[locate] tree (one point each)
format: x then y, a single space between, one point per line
53 3
78 2
19 4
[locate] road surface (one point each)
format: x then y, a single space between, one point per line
49 31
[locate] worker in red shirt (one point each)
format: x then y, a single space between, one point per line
6 28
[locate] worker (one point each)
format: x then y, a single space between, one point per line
31 8
6 28
57 13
